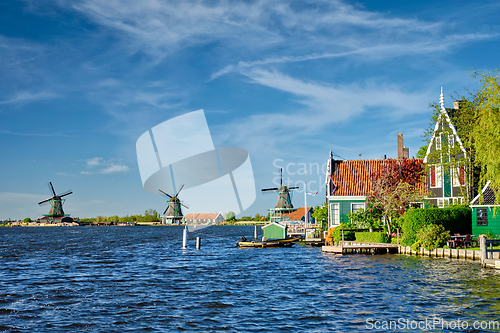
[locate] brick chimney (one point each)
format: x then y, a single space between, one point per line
403 152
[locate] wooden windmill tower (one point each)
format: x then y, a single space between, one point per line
284 204
173 210
56 203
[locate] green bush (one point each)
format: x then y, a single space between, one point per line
365 218
416 246
348 235
372 237
433 236
456 219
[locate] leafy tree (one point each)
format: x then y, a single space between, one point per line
486 129
27 220
395 187
257 217
422 151
320 215
230 216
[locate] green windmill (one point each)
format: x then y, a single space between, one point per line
56 203
284 204
173 210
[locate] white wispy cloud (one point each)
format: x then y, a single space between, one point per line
24 97
57 135
327 110
99 165
282 30
160 28
341 102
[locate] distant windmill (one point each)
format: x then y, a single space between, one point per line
56 202
284 204
173 210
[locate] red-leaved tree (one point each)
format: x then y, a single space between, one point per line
395 186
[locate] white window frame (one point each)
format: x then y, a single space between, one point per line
456 177
335 218
439 178
438 142
357 203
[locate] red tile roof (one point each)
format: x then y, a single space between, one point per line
297 214
355 177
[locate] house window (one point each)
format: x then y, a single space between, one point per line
334 214
438 142
435 175
482 216
356 206
459 176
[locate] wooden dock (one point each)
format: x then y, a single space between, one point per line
360 247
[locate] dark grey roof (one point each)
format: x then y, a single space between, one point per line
488 197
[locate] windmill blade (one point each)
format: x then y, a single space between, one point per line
165 212
66 193
168 195
44 201
184 205
281 177
51 188
177 195
293 187
269 189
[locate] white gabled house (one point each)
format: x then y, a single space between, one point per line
446 174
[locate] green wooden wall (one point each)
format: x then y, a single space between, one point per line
345 208
493 222
273 232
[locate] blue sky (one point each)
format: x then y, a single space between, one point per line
288 81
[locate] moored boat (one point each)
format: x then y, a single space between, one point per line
272 243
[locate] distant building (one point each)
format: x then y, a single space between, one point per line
298 215
203 218
62 219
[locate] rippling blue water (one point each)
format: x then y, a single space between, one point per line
115 279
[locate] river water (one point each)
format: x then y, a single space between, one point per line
116 279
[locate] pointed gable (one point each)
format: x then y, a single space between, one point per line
443 121
488 197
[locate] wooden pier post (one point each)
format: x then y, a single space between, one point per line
184 237
198 243
255 232
482 246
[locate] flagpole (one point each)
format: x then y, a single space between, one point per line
305 208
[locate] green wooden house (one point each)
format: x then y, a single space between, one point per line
484 218
274 231
348 183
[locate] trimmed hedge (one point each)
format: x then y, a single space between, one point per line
372 237
455 219
348 235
